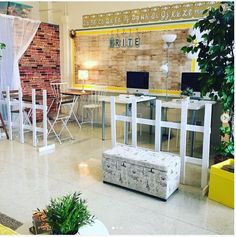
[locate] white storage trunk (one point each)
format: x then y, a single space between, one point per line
154 173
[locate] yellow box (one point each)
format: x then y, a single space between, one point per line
221 188
6 231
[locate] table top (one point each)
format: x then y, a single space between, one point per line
124 91
76 92
28 98
127 99
192 105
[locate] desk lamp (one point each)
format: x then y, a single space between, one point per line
83 75
168 39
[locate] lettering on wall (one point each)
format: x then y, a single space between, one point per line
124 42
191 10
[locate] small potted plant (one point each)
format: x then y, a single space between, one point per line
67 214
187 92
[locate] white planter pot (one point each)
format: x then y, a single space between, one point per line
96 229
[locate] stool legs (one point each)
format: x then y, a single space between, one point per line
3 126
168 144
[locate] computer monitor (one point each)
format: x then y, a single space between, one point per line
137 82
192 80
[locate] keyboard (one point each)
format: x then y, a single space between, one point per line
178 101
125 96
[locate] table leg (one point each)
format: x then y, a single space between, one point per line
163 118
126 124
75 115
151 114
164 131
78 105
103 120
193 121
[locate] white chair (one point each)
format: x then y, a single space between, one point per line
58 88
14 95
92 106
3 126
61 114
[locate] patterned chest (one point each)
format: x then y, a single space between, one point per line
154 173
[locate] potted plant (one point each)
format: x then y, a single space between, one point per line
187 92
216 60
67 214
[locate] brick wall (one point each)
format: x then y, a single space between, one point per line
112 63
41 62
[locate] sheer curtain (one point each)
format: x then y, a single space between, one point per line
17 33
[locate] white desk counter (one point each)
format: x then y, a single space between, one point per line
122 99
127 99
97 88
192 105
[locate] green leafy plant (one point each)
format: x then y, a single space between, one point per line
216 59
187 92
67 214
2 46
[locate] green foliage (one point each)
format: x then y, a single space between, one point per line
188 92
224 131
226 149
2 46
67 214
216 58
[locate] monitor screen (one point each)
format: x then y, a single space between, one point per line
191 80
137 80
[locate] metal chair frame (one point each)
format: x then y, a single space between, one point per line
93 104
57 89
63 103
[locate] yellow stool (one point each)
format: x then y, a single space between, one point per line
6 231
221 187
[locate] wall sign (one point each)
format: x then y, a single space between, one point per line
191 10
124 42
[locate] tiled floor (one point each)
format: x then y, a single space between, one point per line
28 180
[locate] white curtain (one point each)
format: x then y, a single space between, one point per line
17 33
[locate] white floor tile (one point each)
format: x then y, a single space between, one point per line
28 180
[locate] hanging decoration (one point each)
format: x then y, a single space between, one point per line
189 10
137 40
111 41
72 34
123 40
